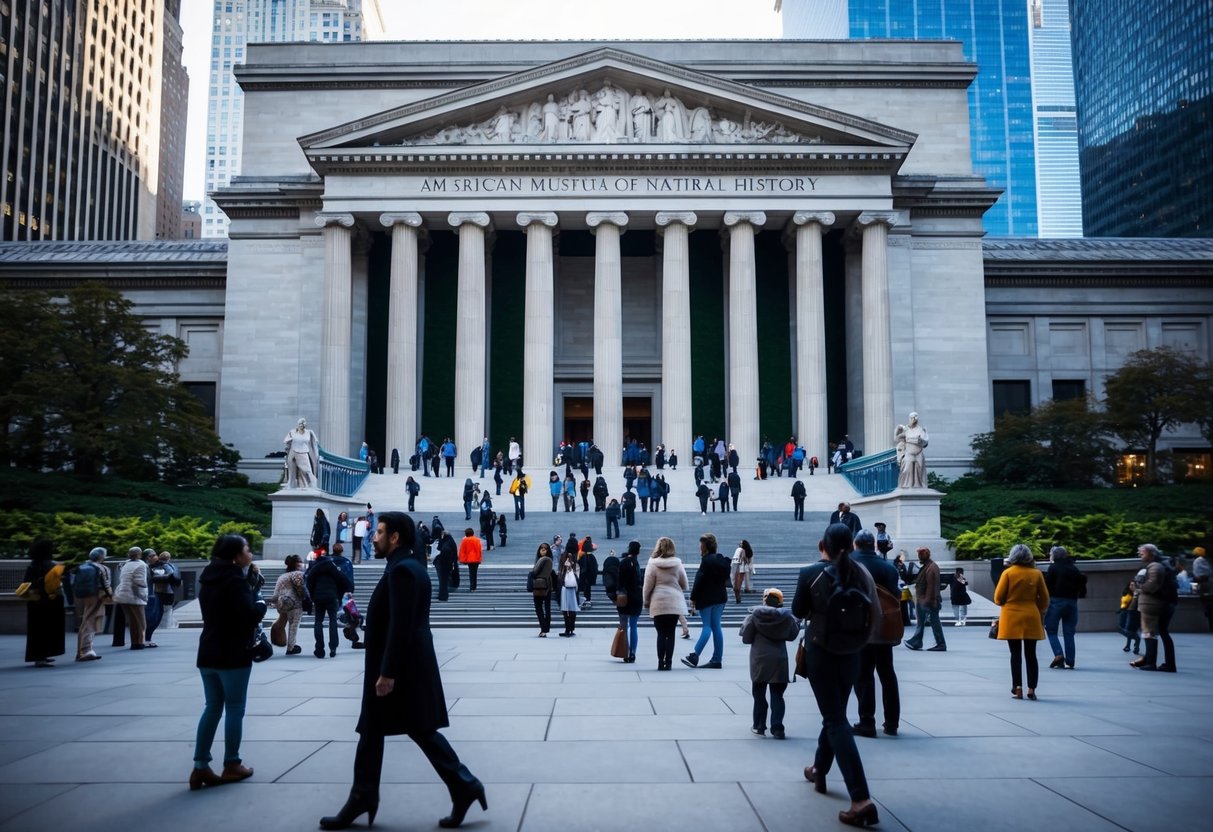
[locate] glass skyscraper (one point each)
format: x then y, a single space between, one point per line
1143 74
1058 190
996 37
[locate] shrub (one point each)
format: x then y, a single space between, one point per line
1086 536
75 534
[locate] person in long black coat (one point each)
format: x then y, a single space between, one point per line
402 688
631 584
44 619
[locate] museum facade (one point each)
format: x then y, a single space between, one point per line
650 240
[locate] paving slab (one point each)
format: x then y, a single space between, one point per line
558 731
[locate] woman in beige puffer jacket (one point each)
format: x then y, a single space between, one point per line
665 585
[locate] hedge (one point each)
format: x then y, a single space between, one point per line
75 534
1086 536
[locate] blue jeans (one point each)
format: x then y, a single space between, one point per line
926 614
225 692
1065 612
630 623
709 619
832 676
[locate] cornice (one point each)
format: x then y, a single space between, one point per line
1093 276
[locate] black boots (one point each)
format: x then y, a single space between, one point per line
359 802
1150 659
475 794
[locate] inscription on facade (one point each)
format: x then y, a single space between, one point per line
444 185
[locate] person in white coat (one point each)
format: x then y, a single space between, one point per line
665 586
131 594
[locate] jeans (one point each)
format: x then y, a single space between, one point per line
612 527
325 606
520 508
467 509
831 676
543 611
759 689
1026 648
1065 612
798 508
877 660
709 619
926 614
631 624
665 624
225 692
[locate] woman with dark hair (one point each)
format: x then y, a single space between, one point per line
288 598
230 612
320 531
1024 598
833 665
630 584
567 582
44 620
541 587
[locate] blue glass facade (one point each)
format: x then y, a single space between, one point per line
1143 76
995 37
1059 192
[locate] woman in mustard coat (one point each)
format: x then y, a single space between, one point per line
1023 597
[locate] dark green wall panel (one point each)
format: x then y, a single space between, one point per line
507 331
438 364
774 338
380 276
707 340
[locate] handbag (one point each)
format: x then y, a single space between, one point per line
530 581
891 627
619 644
801 668
621 599
278 632
26 592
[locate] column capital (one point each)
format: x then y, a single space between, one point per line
755 218
596 218
529 218
686 218
407 218
343 219
458 218
886 218
823 218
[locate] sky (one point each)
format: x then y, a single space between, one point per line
495 20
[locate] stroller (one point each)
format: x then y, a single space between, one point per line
351 620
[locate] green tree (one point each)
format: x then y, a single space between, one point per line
1155 391
92 389
1060 443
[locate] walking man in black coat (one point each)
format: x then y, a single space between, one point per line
876 658
402 688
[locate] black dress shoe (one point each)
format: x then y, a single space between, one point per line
861 730
890 730
359 803
1057 662
460 808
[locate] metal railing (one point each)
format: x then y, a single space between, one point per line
341 475
874 474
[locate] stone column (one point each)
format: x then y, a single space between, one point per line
334 427
608 333
470 352
538 353
676 330
743 333
401 423
877 342
811 426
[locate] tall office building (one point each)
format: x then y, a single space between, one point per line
82 89
174 116
238 23
1143 74
996 37
1058 188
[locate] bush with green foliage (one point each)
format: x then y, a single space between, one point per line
75 534
1059 443
1086 536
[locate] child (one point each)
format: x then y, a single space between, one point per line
767 629
1130 618
352 619
960 597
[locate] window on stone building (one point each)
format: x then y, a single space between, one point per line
1131 468
1012 397
1067 389
205 392
1192 465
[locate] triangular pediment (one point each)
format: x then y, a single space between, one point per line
609 97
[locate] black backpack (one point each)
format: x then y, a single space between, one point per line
842 613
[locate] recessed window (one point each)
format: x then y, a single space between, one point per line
1012 397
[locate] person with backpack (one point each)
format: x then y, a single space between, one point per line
1066 585
1156 602
1023 596
838 597
612 518
798 495
767 629
876 658
91 588
326 584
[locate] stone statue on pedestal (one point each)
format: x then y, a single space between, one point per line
302 456
911 443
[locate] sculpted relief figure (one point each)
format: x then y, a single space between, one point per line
911 443
610 115
302 456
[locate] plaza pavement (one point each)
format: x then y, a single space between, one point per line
568 739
